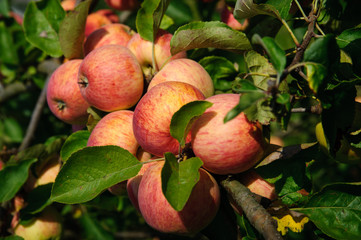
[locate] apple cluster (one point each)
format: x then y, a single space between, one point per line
139 89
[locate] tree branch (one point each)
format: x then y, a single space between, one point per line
12 90
256 214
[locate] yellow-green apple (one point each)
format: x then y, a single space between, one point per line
228 18
185 70
153 114
110 78
48 225
114 33
227 148
63 95
142 49
122 5
115 128
199 211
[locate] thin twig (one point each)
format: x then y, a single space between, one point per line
290 32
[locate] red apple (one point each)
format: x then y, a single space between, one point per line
185 70
68 5
110 14
110 78
122 5
48 225
142 50
258 185
114 33
2 165
199 211
226 148
115 128
228 18
63 95
153 114
95 21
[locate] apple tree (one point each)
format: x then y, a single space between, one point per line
160 119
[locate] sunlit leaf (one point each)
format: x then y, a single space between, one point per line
73 143
316 75
209 34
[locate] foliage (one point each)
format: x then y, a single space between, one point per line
296 63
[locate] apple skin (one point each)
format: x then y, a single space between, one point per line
142 49
114 33
228 18
115 128
122 5
256 184
110 78
63 95
185 70
153 114
98 19
199 211
227 148
68 5
48 225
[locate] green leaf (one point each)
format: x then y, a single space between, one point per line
13 130
212 34
12 177
166 22
336 210
244 86
260 69
350 41
260 111
37 200
92 228
71 32
276 54
149 18
276 8
90 171
245 101
316 75
221 70
73 143
41 23
14 237
4 8
183 119
289 174
178 179
8 52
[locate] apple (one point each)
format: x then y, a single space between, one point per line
142 49
2 165
153 114
63 95
185 70
114 33
115 128
68 5
122 5
227 148
228 18
133 184
48 225
110 78
256 184
199 211
98 19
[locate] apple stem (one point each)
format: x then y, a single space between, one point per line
83 81
60 105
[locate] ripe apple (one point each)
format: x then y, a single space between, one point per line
63 95
256 184
142 49
226 148
2 165
68 5
228 18
122 5
345 154
153 114
114 33
185 70
48 225
199 211
115 128
110 78
98 19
